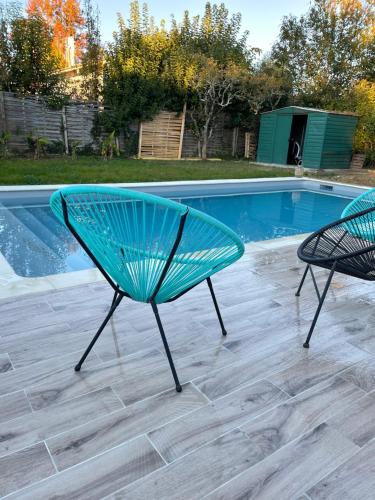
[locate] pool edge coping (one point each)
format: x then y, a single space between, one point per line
16 286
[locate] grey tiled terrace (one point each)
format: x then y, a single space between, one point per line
259 416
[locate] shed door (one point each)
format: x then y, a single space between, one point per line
281 142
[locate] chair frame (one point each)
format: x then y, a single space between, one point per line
332 263
120 294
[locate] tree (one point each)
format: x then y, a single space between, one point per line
149 68
362 100
135 85
8 13
216 35
92 54
33 66
64 19
266 88
326 51
213 90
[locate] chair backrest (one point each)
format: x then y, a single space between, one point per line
362 202
152 247
361 227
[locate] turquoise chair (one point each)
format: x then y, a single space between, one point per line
149 249
363 202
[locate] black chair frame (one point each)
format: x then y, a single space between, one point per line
336 248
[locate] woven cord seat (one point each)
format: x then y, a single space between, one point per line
345 246
148 248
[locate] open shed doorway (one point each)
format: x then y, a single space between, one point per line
296 139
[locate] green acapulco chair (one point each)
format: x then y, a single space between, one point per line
363 202
149 249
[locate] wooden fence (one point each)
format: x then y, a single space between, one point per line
162 136
166 136
24 115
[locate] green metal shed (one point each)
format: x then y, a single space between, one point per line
318 138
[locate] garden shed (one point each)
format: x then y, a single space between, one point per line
313 137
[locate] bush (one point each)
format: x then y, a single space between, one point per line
55 148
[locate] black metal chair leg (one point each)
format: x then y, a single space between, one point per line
102 326
317 312
302 280
224 332
114 299
166 346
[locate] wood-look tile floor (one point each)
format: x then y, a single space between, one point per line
259 416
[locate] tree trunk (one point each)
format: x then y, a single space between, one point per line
204 144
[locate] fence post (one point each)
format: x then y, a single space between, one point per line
2 113
182 132
140 141
65 130
247 144
234 141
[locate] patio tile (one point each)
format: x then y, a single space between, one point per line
206 424
68 384
308 372
14 405
143 383
99 476
196 474
252 368
290 471
362 374
279 426
38 372
24 467
42 343
40 425
88 440
354 479
233 432
357 422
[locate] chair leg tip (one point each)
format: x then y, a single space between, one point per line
225 333
306 345
178 388
77 368
297 294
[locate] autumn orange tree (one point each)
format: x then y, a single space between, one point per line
64 19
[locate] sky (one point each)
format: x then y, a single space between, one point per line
261 17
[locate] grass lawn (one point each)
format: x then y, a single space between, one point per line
93 170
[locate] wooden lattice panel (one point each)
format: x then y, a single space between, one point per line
162 136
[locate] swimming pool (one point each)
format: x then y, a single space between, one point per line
35 244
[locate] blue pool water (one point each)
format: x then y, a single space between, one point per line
36 244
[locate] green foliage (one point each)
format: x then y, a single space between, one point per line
73 146
55 148
109 146
4 140
27 62
37 144
149 68
9 12
362 100
327 50
216 35
92 57
265 89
